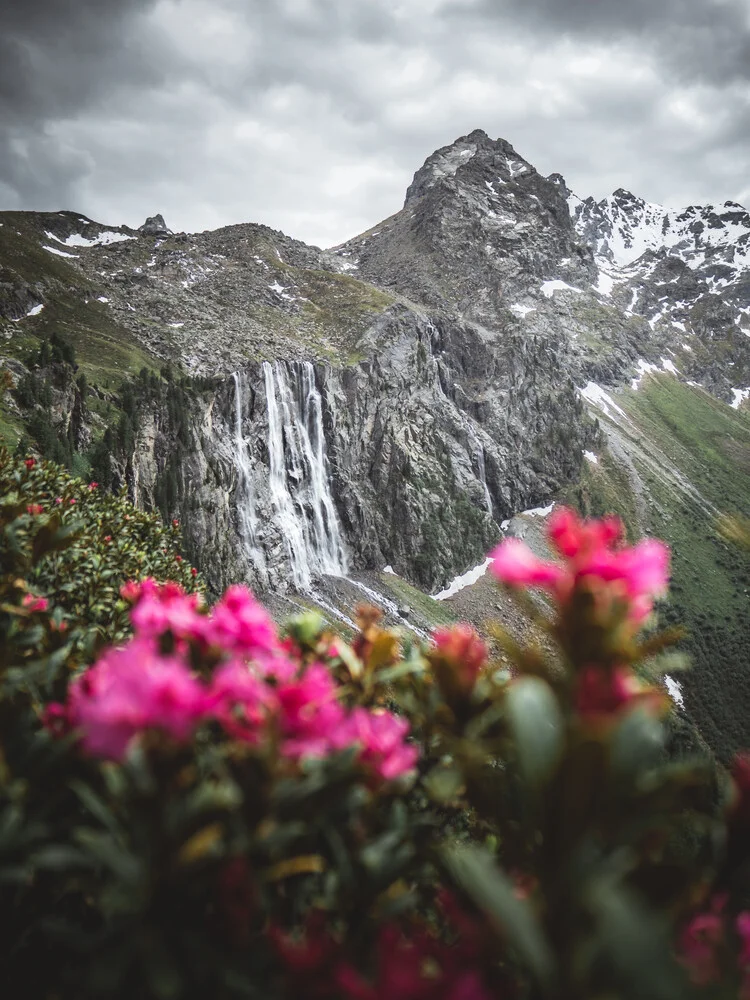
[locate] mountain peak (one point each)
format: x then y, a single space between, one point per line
154 226
476 149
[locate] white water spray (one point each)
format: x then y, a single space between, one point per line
479 456
298 473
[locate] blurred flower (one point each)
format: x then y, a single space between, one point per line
33 603
58 499
380 735
72 500
459 656
193 571
34 509
602 692
30 463
166 607
240 624
310 714
93 486
130 690
700 942
240 701
593 557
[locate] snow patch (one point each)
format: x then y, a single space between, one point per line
674 690
389 570
550 287
539 511
521 311
594 393
605 283
59 253
103 239
35 310
740 395
591 457
643 368
176 326
465 580
102 298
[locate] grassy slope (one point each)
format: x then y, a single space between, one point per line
691 455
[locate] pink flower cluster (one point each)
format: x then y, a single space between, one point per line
593 555
702 945
257 685
409 964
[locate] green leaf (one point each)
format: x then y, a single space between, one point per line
637 743
537 726
475 871
635 944
444 783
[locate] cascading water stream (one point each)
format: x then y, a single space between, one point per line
248 518
479 456
298 474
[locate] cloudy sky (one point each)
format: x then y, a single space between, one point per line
312 115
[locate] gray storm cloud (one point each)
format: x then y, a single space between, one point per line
312 115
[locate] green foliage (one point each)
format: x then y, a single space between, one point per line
108 541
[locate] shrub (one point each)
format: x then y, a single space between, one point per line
214 808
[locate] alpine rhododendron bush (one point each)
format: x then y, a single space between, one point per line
196 803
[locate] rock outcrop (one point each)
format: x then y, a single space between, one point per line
154 226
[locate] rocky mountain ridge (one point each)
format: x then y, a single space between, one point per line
455 350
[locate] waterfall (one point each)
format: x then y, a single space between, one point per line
247 514
298 473
479 456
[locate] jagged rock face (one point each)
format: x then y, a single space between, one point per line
686 271
423 457
479 229
154 226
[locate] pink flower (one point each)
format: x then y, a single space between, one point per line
56 719
34 509
193 571
240 700
514 563
601 693
309 713
93 486
591 557
380 735
29 463
58 499
72 500
130 591
167 608
699 944
462 650
573 537
33 603
241 625
130 690
743 930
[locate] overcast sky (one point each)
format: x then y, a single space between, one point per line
312 115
